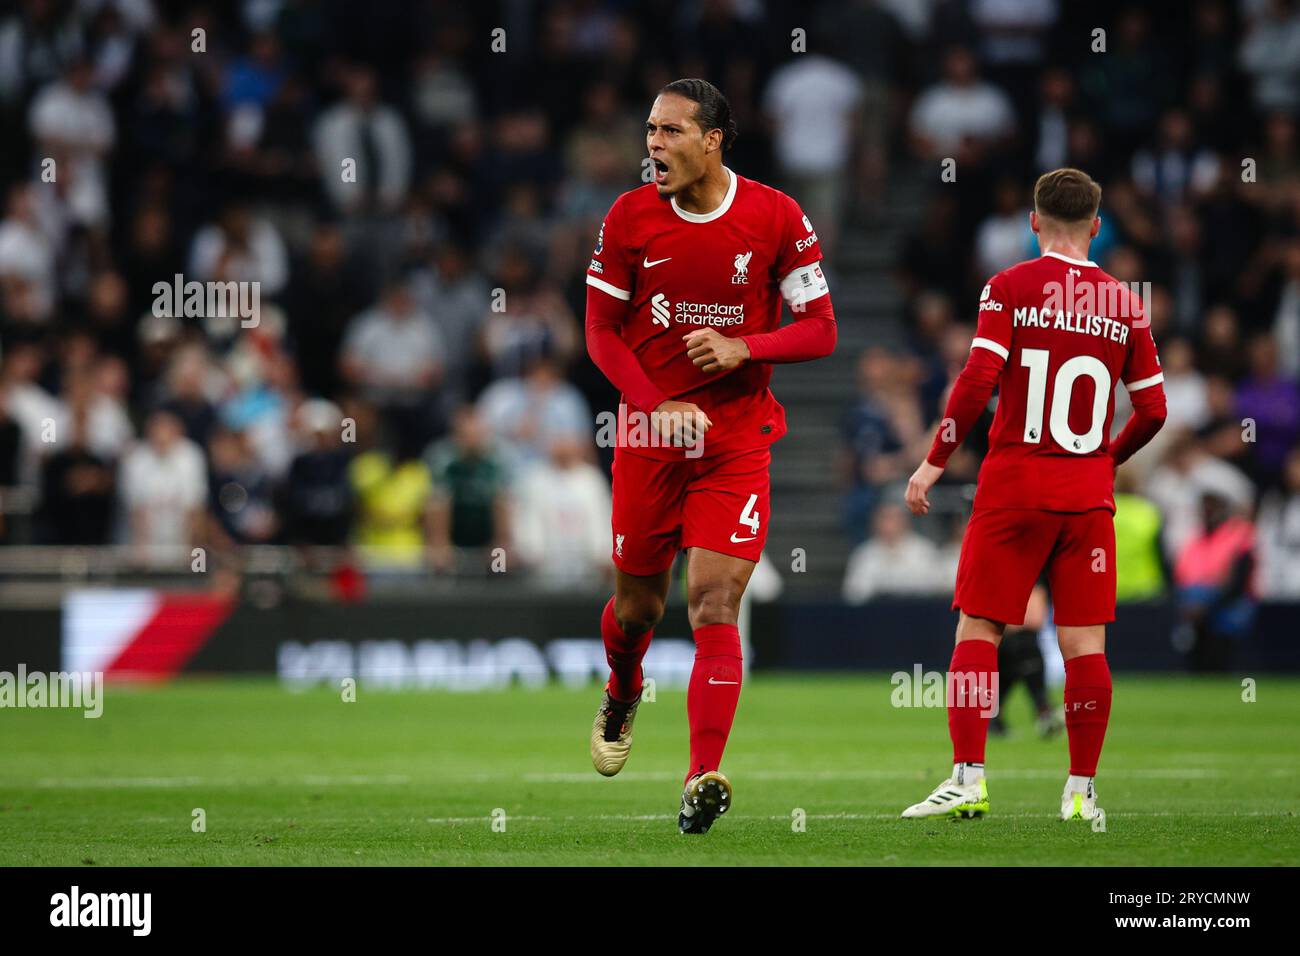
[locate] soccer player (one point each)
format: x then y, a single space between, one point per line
1055 335
683 317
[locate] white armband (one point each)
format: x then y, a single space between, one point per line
804 284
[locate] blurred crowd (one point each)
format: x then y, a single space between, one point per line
415 185
1188 119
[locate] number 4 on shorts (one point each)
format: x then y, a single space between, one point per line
749 517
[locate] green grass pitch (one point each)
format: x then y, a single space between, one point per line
1191 774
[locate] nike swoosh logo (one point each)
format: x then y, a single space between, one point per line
712 681
647 263
735 540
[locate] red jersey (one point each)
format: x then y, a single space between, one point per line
1067 334
727 270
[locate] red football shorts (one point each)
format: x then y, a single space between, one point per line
720 504
1006 549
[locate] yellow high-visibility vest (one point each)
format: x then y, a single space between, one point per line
1138 576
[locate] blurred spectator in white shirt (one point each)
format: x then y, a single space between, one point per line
454 294
1175 167
100 392
895 560
27 257
527 415
73 124
164 488
1270 54
240 247
1278 536
373 136
812 102
1056 104
394 350
959 108
562 516
1004 237
40 416
1185 389
1013 32
1286 323
1178 484
1187 399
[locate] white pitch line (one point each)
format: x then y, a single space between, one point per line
306 823
117 783
481 819
1160 773
1019 815
128 783
590 777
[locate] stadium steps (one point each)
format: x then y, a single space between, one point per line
807 489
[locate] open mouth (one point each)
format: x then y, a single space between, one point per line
661 171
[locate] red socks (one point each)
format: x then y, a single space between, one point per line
1087 705
713 695
1087 711
714 689
971 676
624 655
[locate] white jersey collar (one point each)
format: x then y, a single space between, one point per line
1073 262
715 214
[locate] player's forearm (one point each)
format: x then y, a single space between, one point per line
970 394
1148 417
1139 430
811 337
607 349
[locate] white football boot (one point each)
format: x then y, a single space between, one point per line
950 799
1079 804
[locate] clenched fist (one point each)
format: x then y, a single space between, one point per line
711 351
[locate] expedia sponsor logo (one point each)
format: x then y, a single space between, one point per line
717 315
990 306
810 240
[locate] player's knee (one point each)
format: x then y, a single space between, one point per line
713 604
979 629
636 615
1080 641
